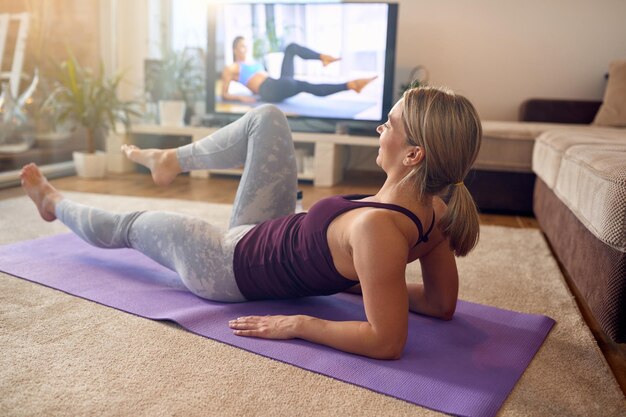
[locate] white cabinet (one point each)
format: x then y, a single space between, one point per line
328 150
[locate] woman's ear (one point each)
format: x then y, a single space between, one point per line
414 156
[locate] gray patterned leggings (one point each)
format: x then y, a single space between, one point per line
202 253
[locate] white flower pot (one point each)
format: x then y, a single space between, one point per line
172 112
90 165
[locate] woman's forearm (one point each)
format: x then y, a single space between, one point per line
349 336
358 337
419 303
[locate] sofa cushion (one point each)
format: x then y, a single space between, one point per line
551 145
613 109
587 172
508 146
592 183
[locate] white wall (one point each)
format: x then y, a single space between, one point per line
500 52
496 52
125 41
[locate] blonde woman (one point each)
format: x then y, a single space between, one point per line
356 243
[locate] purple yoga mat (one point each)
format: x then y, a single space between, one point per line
466 366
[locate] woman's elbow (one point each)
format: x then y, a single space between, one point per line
390 350
394 354
447 312
388 354
447 316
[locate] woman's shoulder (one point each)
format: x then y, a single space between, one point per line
232 68
379 226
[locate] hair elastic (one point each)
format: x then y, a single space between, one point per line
458 183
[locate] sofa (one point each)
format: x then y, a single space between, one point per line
502 179
580 203
566 161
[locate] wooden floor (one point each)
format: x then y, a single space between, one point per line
222 190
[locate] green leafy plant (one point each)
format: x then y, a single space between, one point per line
179 75
88 99
418 78
267 40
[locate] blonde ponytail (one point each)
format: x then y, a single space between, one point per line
447 127
460 222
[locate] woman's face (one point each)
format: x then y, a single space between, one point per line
240 51
393 146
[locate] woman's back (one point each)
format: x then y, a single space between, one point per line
308 254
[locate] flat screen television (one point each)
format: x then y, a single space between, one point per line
321 63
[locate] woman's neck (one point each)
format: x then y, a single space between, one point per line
402 193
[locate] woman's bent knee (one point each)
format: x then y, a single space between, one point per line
269 120
291 48
270 111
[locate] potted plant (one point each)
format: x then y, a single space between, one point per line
89 99
418 78
272 49
269 47
176 82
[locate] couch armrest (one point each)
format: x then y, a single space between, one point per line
559 111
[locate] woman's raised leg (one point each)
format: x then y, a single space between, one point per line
269 182
292 50
261 141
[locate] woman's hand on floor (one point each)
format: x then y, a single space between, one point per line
266 327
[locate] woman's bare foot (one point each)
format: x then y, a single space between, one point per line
43 194
162 163
327 59
358 84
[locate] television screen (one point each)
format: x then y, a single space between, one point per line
332 61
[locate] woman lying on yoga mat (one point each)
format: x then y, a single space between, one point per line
272 90
343 243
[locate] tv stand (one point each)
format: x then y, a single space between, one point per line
328 150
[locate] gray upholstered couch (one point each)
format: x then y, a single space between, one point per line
580 204
571 174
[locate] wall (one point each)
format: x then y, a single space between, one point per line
129 23
55 26
499 53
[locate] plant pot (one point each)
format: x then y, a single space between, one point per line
172 112
90 165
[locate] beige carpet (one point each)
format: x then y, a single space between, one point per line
62 355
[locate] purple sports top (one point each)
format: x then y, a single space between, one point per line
289 257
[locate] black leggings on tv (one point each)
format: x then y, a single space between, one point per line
276 90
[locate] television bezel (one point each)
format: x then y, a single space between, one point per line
214 117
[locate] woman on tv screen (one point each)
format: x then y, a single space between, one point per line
274 90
